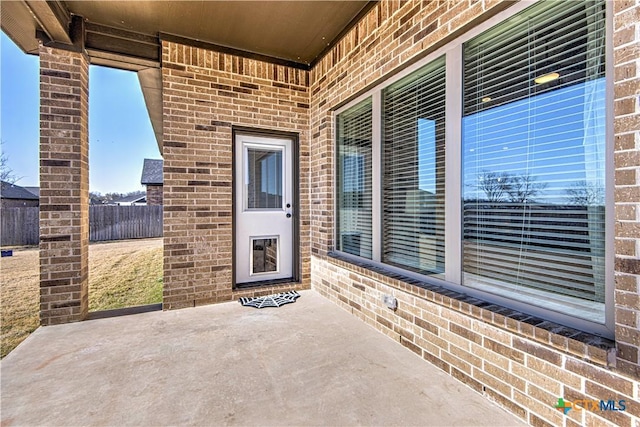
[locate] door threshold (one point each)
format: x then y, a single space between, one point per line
264 283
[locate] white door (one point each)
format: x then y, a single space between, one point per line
264 198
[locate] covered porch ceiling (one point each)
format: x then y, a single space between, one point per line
128 34
297 32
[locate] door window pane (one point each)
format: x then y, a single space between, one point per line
533 158
413 181
354 180
264 178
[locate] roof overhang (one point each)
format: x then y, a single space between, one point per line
297 32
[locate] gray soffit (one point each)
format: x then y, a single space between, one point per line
126 34
151 85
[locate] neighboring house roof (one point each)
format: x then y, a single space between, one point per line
136 198
152 172
12 191
34 190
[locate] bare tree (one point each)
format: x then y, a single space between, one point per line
505 187
6 173
584 193
496 186
524 188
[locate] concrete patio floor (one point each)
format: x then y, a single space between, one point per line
308 363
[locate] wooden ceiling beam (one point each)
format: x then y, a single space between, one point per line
102 38
53 18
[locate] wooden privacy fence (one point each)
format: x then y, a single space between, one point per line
124 222
19 226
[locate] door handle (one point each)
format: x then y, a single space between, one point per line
288 215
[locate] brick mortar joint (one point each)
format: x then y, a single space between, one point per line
609 346
631 79
628 115
633 42
227 74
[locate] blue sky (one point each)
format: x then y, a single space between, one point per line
120 132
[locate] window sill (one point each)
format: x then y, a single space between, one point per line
588 347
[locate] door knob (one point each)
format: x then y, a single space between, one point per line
288 215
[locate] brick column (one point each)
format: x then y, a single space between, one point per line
626 41
64 186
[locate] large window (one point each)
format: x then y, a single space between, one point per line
533 162
522 221
413 113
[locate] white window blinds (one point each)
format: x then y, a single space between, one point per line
533 158
354 134
413 114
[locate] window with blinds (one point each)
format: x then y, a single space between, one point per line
413 147
533 158
354 193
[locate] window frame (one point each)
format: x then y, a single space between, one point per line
453 274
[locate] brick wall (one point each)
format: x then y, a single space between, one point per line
205 93
154 195
64 186
626 42
521 362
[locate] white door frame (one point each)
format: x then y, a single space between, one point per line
252 138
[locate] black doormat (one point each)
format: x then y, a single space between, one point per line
275 300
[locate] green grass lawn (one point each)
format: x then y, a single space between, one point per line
121 274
